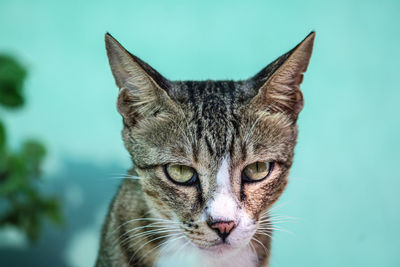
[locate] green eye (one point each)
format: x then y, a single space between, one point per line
257 171
180 173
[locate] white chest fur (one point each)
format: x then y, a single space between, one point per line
178 254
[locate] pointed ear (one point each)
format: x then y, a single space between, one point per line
143 91
279 83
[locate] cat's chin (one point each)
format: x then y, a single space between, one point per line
222 249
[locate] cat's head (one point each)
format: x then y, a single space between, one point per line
213 155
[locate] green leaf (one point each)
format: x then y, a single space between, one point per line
3 150
33 151
9 96
52 210
33 154
24 206
2 136
12 76
13 178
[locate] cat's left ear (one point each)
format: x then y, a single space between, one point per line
143 91
279 83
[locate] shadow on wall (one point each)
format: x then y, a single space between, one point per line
85 190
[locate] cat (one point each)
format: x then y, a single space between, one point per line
210 158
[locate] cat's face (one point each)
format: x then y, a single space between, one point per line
213 155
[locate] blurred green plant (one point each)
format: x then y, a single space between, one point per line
21 203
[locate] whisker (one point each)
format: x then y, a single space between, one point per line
269 222
123 177
279 229
182 247
252 248
147 233
259 242
273 217
276 207
169 222
154 239
273 224
162 243
154 226
284 217
266 222
264 233
151 225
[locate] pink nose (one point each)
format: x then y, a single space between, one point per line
222 228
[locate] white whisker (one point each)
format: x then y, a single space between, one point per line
145 219
147 233
264 233
151 240
164 242
259 242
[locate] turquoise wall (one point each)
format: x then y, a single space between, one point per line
345 186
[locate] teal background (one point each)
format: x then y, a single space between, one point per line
344 188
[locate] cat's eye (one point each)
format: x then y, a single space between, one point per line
180 174
257 171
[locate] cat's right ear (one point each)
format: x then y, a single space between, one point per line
278 84
143 91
